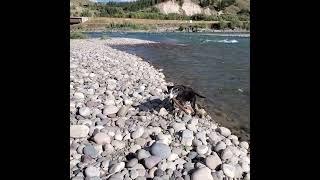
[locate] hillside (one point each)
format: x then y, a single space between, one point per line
157 9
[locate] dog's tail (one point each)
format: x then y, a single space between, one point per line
199 95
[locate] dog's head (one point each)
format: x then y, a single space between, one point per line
173 91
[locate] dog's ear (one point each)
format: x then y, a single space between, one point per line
168 89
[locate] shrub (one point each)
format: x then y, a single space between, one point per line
198 17
86 13
234 23
222 24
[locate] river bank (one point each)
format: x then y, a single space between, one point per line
121 126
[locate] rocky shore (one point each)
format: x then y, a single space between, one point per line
121 127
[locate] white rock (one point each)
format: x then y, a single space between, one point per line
79 95
192 127
84 111
118 144
118 137
74 162
220 146
134 148
213 161
79 131
108 148
245 166
111 133
202 149
128 102
134 174
164 138
163 112
99 148
202 174
228 142
229 170
102 138
173 156
109 102
117 167
244 145
178 126
226 154
92 171
224 131
187 137
110 109
137 133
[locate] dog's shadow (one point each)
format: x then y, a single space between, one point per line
155 105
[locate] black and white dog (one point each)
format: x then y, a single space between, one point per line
185 95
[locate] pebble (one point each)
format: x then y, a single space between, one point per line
151 161
123 111
151 172
202 149
92 171
105 164
196 142
79 131
133 174
178 126
132 162
141 141
218 175
110 109
238 171
159 173
202 174
161 150
192 127
228 170
118 144
187 137
245 166
220 146
173 156
141 178
188 166
164 138
244 145
224 131
118 137
163 112
213 161
90 151
226 154
117 167
142 154
108 148
137 133
102 138
79 95
128 102
192 155
134 148
84 111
